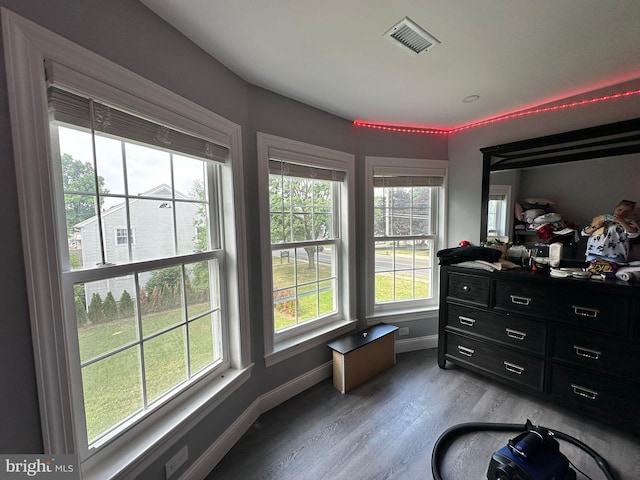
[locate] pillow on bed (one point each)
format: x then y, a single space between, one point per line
530 215
547 218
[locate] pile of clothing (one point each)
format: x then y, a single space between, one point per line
540 215
470 256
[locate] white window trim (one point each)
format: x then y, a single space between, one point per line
26 47
276 352
508 211
130 238
400 166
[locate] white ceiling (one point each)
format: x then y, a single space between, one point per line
331 54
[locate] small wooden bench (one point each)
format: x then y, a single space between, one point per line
361 355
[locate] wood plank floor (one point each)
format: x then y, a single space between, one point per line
386 429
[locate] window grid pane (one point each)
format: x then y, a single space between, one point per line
160 196
171 348
301 209
403 270
403 243
304 277
402 211
304 284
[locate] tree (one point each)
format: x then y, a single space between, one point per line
81 312
163 288
144 300
96 312
78 177
74 260
109 307
301 209
125 305
402 211
199 288
200 220
171 277
155 300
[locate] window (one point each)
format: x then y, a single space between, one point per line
306 198
303 242
499 211
405 203
162 326
140 301
122 236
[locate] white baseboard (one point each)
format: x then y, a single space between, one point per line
417 343
203 465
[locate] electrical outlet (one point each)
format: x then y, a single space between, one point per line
176 461
403 331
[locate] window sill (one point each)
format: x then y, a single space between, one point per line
294 346
399 316
131 458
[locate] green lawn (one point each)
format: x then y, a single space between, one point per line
307 305
315 297
389 289
113 386
384 287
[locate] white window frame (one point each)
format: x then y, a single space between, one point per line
505 215
413 309
27 46
128 238
278 349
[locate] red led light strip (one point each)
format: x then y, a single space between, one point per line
398 128
509 116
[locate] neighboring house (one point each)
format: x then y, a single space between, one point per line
154 207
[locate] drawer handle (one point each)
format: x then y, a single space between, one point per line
466 351
585 311
584 392
517 334
469 322
466 288
513 368
587 352
520 300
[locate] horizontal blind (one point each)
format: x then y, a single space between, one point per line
408 181
289 169
69 108
497 196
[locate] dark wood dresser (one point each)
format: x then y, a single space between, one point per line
573 340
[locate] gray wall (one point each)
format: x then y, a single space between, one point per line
129 34
595 186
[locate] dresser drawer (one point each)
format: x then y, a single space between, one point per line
528 299
517 332
514 366
599 353
596 310
583 308
469 288
597 392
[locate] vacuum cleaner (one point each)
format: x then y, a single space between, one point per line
534 454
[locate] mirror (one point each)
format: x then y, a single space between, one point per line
583 172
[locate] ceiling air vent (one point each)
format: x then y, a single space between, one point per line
410 35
